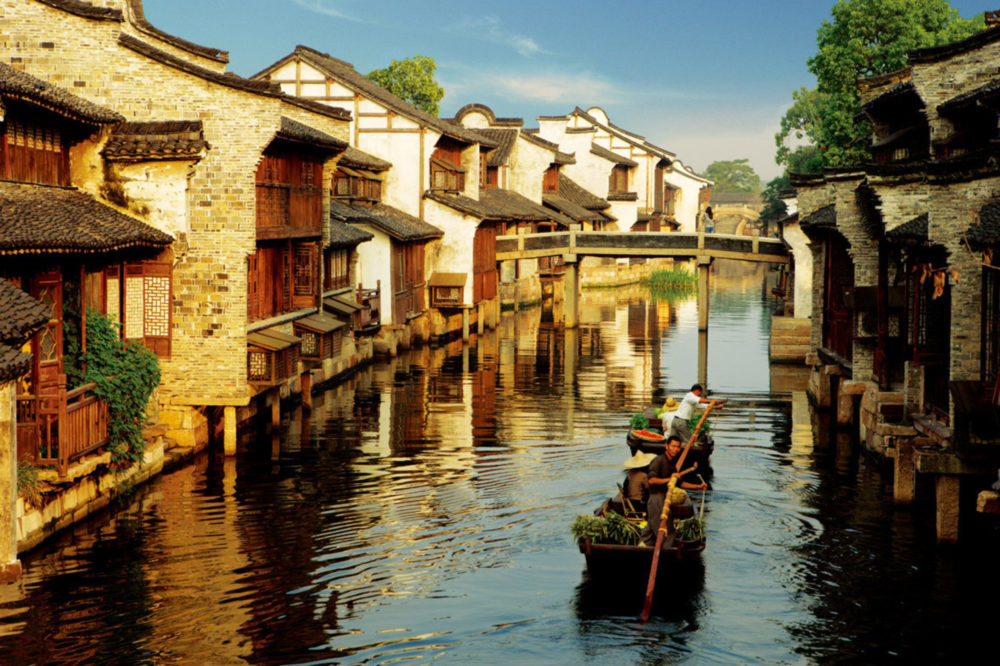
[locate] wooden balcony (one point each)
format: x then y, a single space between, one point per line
61 428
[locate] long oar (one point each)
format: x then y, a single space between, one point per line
664 517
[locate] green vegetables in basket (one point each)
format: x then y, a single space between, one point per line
613 529
691 529
639 421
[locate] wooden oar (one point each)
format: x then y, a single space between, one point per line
665 516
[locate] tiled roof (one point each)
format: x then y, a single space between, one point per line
560 157
18 85
611 156
897 91
345 72
490 116
505 139
509 205
570 209
85 9
39 219
342 234
991 89
987 232
293 130
626 136
914 230
935 53
139 18
825 217
498 204
20 314
229 79
169 140
392 221
353 157
569 189
623 196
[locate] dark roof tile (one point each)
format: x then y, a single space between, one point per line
229 79
914 230
293 130
353 157
986 234
20 314
169 140
85 9
505 140
15 84
396 223
611 156
825 217
342 234
36 219
569 189
139 18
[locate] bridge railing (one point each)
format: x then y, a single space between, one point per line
641 244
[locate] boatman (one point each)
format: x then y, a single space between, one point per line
689 405
661 470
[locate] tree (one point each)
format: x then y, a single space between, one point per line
733 176
413 81
863 38
774 207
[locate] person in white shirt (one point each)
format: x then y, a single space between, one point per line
689 405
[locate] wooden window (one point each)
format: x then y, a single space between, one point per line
484 272
281 278
32 150
550 181
492 177
337 274
482 170
619 179
141 303
444 296
447 173
288 190
353 184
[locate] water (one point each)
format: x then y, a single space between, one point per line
422 513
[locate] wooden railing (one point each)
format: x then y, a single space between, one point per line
61 428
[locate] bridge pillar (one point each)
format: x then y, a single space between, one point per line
571 291
704 263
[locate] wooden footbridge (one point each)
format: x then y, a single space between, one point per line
702 247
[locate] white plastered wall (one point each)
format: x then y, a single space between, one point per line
375 266
454 252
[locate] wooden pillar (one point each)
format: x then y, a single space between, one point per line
229 430
275 395
703 358
465 324
480 318
946 489
704 263
903 472
571 292
10 566
306 382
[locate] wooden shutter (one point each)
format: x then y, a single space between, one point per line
146 306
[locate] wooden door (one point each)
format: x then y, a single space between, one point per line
838 318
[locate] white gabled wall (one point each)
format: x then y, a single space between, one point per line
375 265
454 252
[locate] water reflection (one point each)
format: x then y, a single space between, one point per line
421 511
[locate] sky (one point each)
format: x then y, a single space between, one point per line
706 79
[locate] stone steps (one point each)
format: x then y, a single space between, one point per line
790 339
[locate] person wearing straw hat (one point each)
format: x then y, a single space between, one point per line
667 414
636 483
661 469
691 404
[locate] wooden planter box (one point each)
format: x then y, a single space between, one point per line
321 336
272 357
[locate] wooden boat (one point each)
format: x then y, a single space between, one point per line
611 562
701 450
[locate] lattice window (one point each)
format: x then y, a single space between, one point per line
259 366
145 310
310 343
134 307
304 270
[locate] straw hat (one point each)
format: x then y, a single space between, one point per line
670 405
639 460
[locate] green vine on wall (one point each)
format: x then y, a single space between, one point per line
126 373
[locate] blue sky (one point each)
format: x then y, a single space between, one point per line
706 79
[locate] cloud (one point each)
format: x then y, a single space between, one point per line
492 28
326 8
534 86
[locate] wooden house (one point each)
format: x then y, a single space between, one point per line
72 252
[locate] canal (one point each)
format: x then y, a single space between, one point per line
422 512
